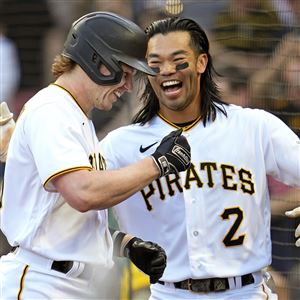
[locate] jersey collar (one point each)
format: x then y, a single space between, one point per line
70 95
184 128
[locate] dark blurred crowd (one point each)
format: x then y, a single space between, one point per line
256 50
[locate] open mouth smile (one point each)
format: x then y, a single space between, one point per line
171 87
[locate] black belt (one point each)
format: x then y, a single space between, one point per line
210 284
62 266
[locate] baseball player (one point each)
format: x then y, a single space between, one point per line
213 220
56 189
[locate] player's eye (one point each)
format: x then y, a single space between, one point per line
153 62
154 65
178 59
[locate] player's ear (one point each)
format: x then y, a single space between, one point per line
202 63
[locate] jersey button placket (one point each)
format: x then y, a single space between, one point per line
195 232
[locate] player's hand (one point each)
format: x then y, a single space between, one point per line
173 154
294 214
148 257
7 125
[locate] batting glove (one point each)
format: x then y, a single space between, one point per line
294 214
147 256
173 155
7 125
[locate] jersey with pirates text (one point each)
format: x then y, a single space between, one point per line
213 220
52 136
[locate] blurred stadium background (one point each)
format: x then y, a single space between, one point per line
255 45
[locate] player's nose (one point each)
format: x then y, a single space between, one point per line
128 85
167 68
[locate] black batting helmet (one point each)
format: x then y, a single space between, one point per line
106 38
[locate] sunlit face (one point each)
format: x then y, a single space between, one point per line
177 90
103 96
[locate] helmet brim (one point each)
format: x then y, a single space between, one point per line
140 65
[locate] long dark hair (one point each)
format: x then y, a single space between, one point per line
210 94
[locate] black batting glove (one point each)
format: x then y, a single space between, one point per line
148 257
173 155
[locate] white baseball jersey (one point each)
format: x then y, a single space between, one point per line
213 220
52 136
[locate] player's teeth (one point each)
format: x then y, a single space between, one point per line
169 83
118 94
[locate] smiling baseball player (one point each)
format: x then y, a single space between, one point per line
214 219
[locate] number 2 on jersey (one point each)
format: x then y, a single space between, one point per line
229 239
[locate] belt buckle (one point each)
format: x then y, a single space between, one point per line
219 285
199 286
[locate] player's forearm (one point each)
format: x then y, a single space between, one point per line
86 190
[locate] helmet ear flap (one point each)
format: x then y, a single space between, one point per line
114 69
85 54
